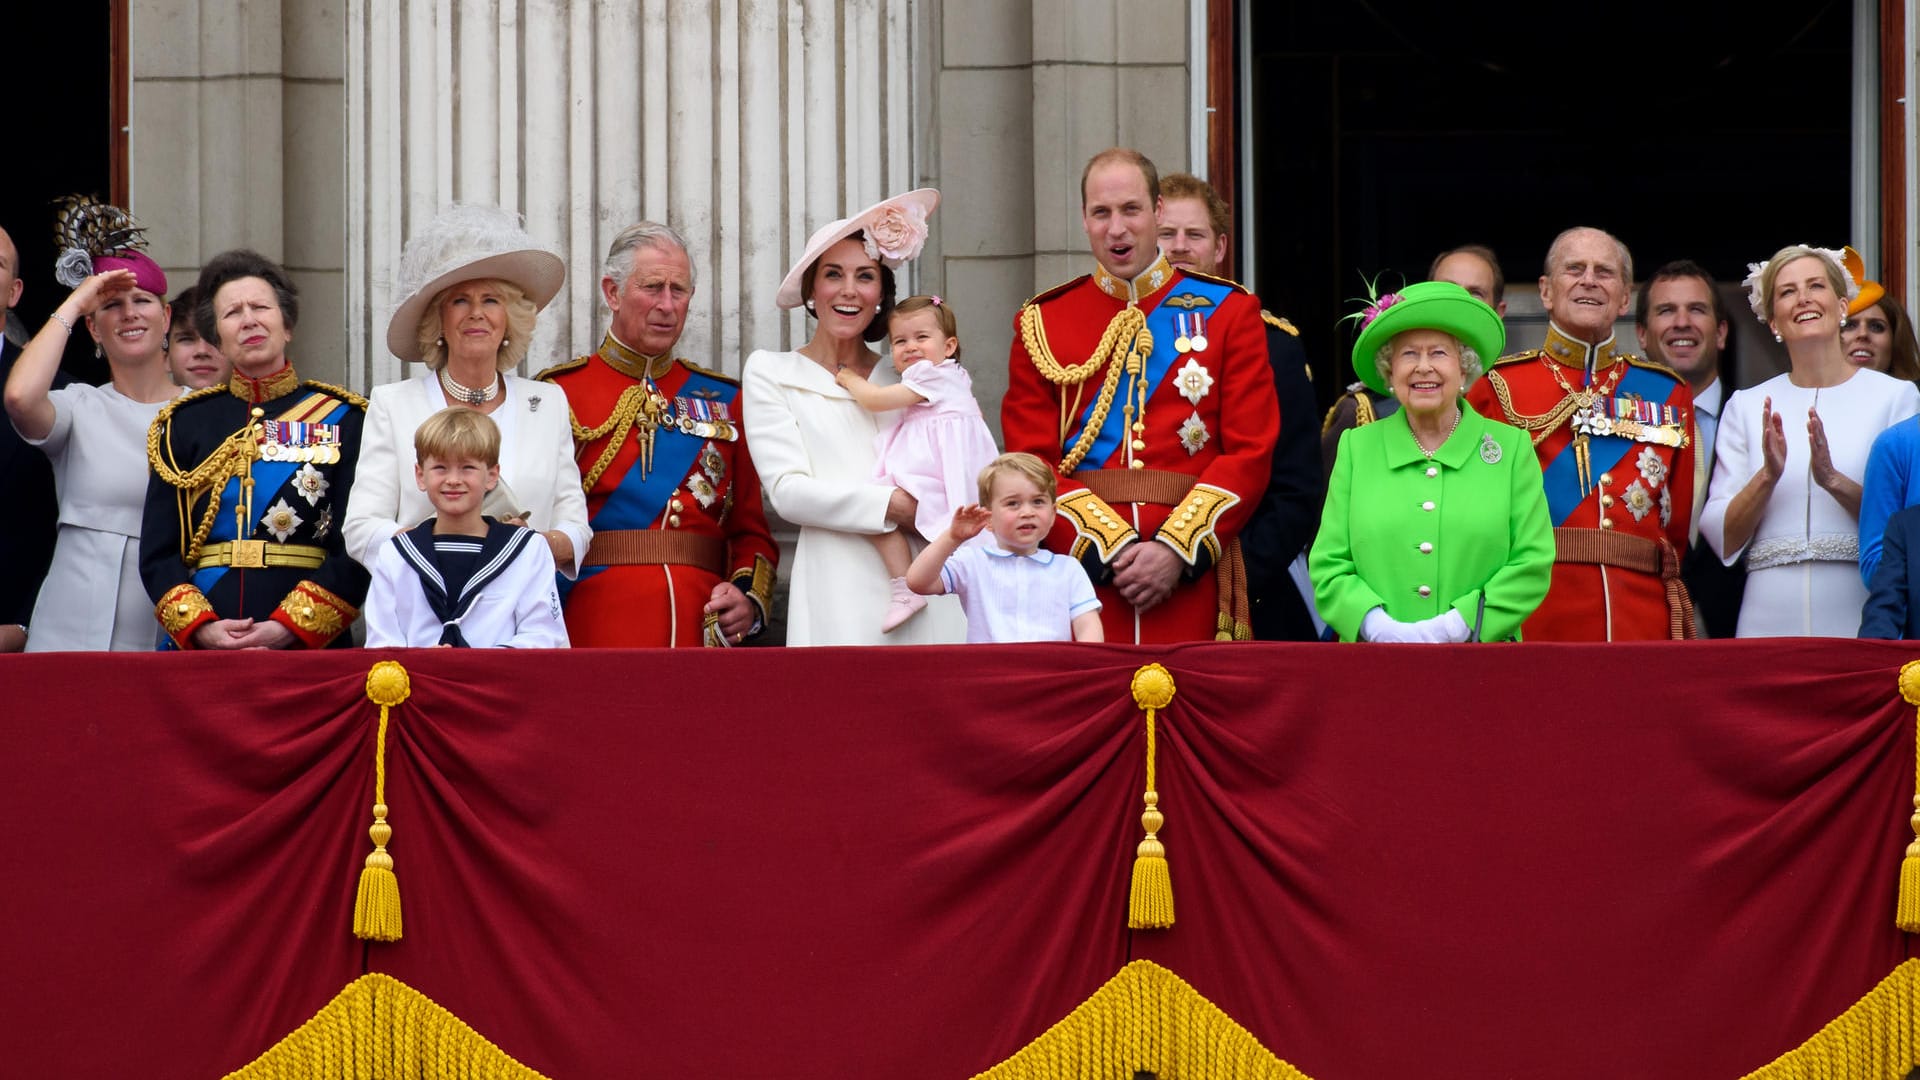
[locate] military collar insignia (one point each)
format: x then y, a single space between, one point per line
1148 283
631 363
254 391
1572 352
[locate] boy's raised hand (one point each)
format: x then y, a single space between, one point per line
968 521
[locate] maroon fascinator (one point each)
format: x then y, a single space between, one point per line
95 237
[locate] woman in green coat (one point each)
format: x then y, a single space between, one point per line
1435 526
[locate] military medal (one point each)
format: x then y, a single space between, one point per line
712 462
1194 381
1194 434
1190 329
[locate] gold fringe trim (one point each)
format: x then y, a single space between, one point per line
1145 1019
376 906
1150 897
379 1028
1870 1041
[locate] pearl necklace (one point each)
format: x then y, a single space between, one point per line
1443 442
467 395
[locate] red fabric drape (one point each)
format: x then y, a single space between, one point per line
1507 861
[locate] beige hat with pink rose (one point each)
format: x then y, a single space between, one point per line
895 230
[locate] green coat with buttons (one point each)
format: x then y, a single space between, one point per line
1419 535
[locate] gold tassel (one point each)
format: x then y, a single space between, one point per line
376 906
1150 899
1907 911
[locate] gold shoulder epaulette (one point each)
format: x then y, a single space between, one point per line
340 392
564 366
1514 358
1651 365
1278 323
1218 280
1055 291
711 374
166 411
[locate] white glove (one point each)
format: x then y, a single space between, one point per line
1377 625
1445 628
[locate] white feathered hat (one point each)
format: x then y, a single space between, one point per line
468 242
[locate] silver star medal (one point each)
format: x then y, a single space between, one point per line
280 520
1489 449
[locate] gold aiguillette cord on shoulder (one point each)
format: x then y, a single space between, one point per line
1126 341
1150 897
233 457
376 905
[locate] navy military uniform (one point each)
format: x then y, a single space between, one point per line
1289 511
242 521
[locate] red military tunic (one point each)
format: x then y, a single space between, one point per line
672 497
1164 435
1617 461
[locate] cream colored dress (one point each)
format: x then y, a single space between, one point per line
813 447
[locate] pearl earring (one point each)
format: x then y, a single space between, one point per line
505 341
809 307
440 341
1778 338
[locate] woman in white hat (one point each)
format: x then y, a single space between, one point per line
473 282
814 445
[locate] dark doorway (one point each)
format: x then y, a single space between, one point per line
59 139
1384 131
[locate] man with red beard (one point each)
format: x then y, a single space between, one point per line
1615 438
1147 389
681 555
1681 324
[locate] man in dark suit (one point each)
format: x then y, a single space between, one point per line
1194 225
26 490
1681 324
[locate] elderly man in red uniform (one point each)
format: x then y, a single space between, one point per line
681 555
1147 388
1614 435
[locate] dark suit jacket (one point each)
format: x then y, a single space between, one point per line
1715 587
1289 512
26 493
1892 611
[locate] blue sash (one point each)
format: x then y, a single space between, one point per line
268 478
1160 322
636 503
1606 452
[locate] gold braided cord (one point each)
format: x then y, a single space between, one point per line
229 459
379 1027
619 423
1145 1019
1872 1040
1541 426
1125 341
1906 910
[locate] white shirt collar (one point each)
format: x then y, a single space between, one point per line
1041 556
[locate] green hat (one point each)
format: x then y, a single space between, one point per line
1428 305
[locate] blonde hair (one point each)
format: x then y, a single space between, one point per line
1019 464
942 314
1770 274
521 313
457 433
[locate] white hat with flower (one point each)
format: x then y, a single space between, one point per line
467 242
895 230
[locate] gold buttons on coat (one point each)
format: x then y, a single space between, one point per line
1605 524
1606 479
1606 500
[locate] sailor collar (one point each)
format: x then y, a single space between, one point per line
1146 284
995 551
1572 352
254 391
632 363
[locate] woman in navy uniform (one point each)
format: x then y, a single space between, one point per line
240 545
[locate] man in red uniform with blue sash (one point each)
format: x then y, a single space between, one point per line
1615 437
1147 388
681 555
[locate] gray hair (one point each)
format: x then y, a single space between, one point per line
634 237
1471 367
1626 257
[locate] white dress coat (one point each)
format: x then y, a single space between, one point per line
536 464
520 609
814 448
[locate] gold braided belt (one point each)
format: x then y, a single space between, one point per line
260 554
656 547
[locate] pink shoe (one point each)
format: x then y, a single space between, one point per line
904 605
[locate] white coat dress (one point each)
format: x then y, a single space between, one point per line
814 448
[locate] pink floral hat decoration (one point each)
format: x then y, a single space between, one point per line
895 229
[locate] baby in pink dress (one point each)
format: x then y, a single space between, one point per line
936 449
